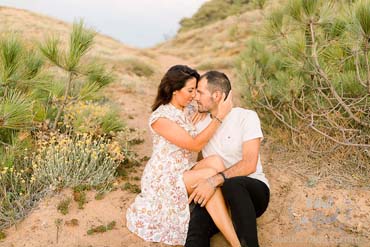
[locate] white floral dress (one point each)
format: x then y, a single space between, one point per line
160 213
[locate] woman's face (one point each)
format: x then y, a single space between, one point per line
185 95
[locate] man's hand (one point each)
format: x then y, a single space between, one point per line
202 192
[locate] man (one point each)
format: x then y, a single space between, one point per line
243 183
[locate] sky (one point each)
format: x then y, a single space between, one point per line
138 23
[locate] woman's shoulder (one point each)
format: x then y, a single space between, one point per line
166 111
162 109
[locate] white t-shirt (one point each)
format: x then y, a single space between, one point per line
239 126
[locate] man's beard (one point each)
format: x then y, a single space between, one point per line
203 111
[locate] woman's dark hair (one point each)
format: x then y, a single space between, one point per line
174 79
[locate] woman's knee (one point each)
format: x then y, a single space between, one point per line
216 162
209 172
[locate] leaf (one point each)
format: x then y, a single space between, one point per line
362 14
80 42
15 111
96 73
10 58
50 49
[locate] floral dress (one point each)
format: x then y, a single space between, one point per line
160 213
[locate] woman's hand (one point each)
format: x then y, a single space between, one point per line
203 191
225 105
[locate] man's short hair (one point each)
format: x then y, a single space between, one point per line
217 81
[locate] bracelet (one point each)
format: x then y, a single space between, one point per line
223 176
210 181
219 120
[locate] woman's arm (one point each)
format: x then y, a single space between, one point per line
180 137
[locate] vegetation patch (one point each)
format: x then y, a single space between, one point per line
212 11
55 131
99 196
92 117
137 67
309 76
72 222
133 188
2 235
101 228
58 223
79 196
216 64
69 160
63 206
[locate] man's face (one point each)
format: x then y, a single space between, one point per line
204 97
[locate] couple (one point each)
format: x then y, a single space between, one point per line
229 180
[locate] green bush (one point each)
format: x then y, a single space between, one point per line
34 98
69 160
81 80
19 69
90 117
311 73
19 191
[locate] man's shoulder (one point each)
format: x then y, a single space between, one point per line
243 113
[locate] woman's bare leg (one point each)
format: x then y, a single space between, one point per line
212 161
216 206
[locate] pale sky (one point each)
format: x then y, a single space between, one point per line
139 23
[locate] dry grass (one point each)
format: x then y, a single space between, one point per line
135 66
216 64
224 38
314 166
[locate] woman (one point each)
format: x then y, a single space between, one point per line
161 212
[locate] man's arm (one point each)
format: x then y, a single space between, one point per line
244 167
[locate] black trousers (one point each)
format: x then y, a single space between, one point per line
247 199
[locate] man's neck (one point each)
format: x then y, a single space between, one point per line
213 112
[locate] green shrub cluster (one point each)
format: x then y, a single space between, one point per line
55 131
310 74
69 160
213 11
